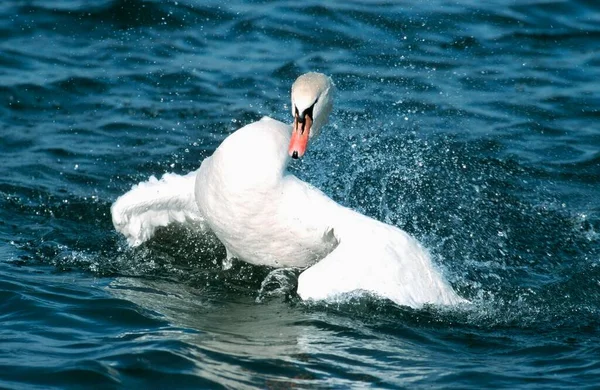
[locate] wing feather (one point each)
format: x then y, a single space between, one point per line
379 259
155 203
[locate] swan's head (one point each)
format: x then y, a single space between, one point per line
312 101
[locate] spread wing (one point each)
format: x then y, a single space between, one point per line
379 259
155 203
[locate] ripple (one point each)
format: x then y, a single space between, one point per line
472 126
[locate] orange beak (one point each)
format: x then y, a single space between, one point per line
300 133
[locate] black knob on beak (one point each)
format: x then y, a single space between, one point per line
295 154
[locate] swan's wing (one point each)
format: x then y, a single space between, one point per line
155 203
379 259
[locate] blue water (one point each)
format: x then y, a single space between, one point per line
472 125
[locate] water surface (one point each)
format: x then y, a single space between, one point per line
472 126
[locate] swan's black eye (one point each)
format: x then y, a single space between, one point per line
308 111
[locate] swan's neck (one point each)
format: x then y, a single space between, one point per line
255 156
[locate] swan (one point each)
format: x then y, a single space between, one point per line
266 216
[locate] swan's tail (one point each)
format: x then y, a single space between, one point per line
155 203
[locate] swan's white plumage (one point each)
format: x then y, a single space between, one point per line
264 215
255 208
377 258
155 203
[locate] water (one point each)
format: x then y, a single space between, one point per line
472 126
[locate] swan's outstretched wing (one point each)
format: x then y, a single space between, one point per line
379 259
155 203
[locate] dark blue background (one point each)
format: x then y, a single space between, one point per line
472 125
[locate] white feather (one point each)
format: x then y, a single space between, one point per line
156 203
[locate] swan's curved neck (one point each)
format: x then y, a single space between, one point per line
254 156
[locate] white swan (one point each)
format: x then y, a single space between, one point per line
264 215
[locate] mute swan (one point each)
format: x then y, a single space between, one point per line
264 215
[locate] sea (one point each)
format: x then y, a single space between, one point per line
472 125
